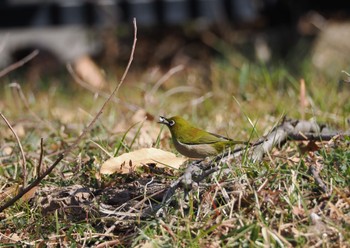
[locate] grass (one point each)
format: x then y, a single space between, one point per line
273 203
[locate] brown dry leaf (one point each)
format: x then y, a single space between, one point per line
8 192
29 195
12 190
89 72
141 157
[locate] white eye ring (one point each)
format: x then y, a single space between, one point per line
171 123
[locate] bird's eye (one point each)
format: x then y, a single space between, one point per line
172 123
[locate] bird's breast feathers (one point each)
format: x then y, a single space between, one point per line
195 150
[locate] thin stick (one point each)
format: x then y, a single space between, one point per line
77 141
24 161
19 63
316 136
41 155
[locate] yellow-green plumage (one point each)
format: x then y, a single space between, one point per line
194 142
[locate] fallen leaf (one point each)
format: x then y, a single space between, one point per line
8 192
139 158
29 195
89 72
12 190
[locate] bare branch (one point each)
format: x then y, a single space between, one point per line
41 156
19 63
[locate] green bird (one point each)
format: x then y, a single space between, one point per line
194 142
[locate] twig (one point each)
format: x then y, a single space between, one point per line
294 130
275 138
165 77
24 161
41 156
116 89
316 137
77 141
19 63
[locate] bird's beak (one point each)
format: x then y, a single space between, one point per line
163 120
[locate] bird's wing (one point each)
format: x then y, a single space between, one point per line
208 138
211 138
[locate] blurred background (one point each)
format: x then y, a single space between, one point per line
172 32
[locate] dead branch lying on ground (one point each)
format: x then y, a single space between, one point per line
299 130
145 197
287 130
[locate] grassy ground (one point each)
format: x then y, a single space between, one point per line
273 203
